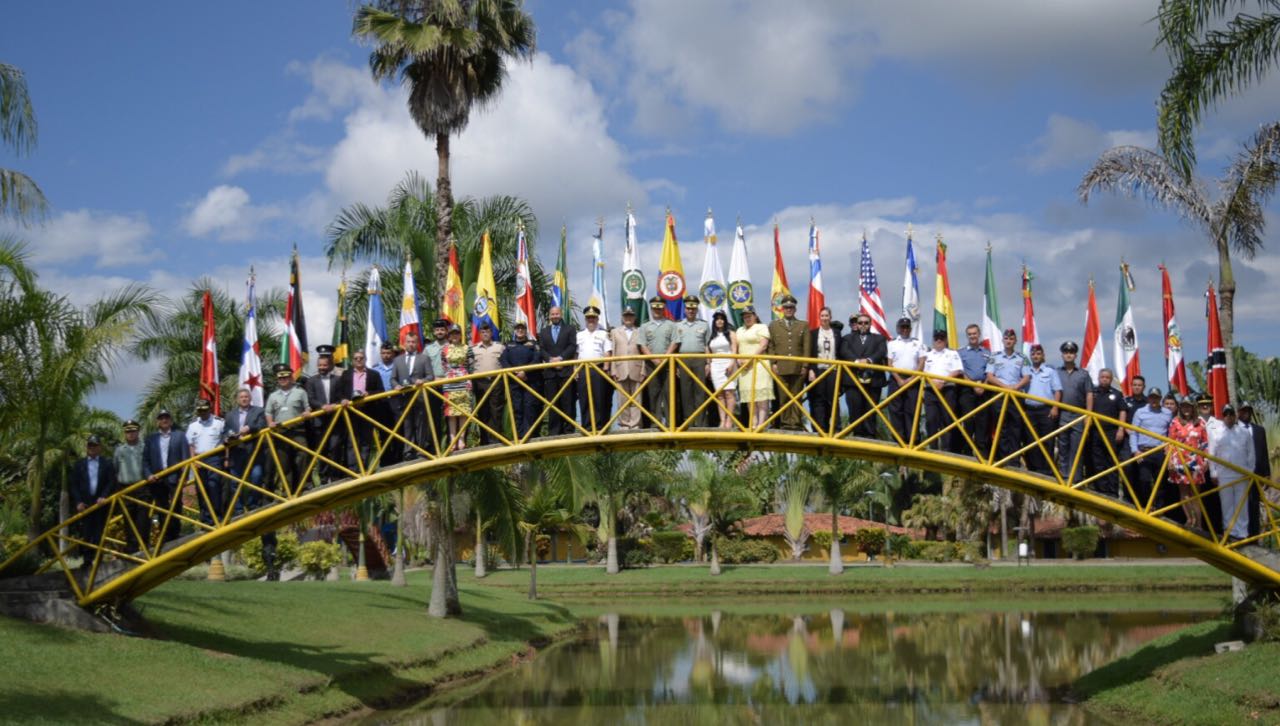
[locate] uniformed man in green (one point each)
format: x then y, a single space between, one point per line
691 336
129 472
656 336
789 338
286 403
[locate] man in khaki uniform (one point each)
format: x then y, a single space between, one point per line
488 358
789 337
627 340
655 339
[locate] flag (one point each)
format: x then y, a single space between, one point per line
293 341
671 272
526 308
560 279
711 287
485 309
251 353
992 338
599 291
341 335
1126 336
1092 357
1216 377
375 321
452 306
869 291
779 289
210 387
944 314
1030 336
1172 339
741 293
911 291
634 287
817 300
409 321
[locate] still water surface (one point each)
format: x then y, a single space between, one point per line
836 665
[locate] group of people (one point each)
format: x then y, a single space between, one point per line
794 370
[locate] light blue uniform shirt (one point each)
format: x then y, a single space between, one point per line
1156 422
1008 369
1044 383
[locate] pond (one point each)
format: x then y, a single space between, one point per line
913 660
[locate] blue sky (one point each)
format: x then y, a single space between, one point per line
184 140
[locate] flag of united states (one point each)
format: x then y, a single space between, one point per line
869 292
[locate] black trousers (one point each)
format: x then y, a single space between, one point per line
490 412
1040 428
978 426
902 411
161 493
525 407
937 416
858 404
656 396
293 462
332 446
414 426
821 400
1100 460
595 400
563 402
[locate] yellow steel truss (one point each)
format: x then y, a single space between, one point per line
379 422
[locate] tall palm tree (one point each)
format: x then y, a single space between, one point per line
547 507
495 500
1235 219
838 479
20 196
452 54
1211 59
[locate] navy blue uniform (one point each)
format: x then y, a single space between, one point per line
525 407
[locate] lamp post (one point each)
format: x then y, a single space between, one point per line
888 548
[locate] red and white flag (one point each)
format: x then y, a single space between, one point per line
250 353
409 322
1030 336
1216 379
817 299
210 387
1092 357
526 310
869 302
1172 339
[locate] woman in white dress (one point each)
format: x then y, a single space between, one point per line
724 340
757 385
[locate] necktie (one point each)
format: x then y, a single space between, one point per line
555 332
411 366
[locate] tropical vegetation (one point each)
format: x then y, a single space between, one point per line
20 196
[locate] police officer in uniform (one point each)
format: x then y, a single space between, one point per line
1107 401
595 395
523 351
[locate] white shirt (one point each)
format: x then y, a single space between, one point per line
593 344
905 353
164 448
943 362
204 434
826 346
1234 444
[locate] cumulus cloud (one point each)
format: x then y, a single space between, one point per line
107 239
227 213
1069 142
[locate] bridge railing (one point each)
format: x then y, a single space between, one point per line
997 428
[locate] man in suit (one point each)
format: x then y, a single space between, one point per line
242 422
629 374
321 396
1261 464
863 345
789 339
161 450
354 384
557 342
824 341
411 368
93 478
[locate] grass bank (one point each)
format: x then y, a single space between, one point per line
1178 679
303 652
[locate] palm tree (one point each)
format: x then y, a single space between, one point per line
20 196
452 54
838 478
495 506
1235 219
794 497
173 338
606 479
712 486
1211 60
405 229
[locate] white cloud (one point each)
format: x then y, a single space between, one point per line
1069 142
108 239
227 213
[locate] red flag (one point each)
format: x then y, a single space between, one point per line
1030 336
1177 370
1216 379
1092 357
210 389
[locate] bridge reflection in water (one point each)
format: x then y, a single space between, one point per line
390 454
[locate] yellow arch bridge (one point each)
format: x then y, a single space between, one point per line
1002 437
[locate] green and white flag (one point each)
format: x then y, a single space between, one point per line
711 288
740 294
1127 363
992 338
634 288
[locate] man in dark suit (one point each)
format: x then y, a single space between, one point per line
863 345
321 389
93 478
1261 464
242 422
161 450
411 368
557 342
354 384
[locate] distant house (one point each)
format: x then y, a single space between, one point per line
772 528
1113 541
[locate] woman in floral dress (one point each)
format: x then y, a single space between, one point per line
459 360
1186 469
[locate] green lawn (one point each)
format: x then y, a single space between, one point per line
1177 679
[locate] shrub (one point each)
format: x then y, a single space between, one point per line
317 558
935 551
1080 542
740 551
870 540
233 573
628 545
970 551
27 565
286 552
688 550
637 557
820 541
902 546
669 547
542 547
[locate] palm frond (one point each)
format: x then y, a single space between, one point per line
1249 184
1136 172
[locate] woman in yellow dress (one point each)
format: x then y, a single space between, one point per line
755 385
459 360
